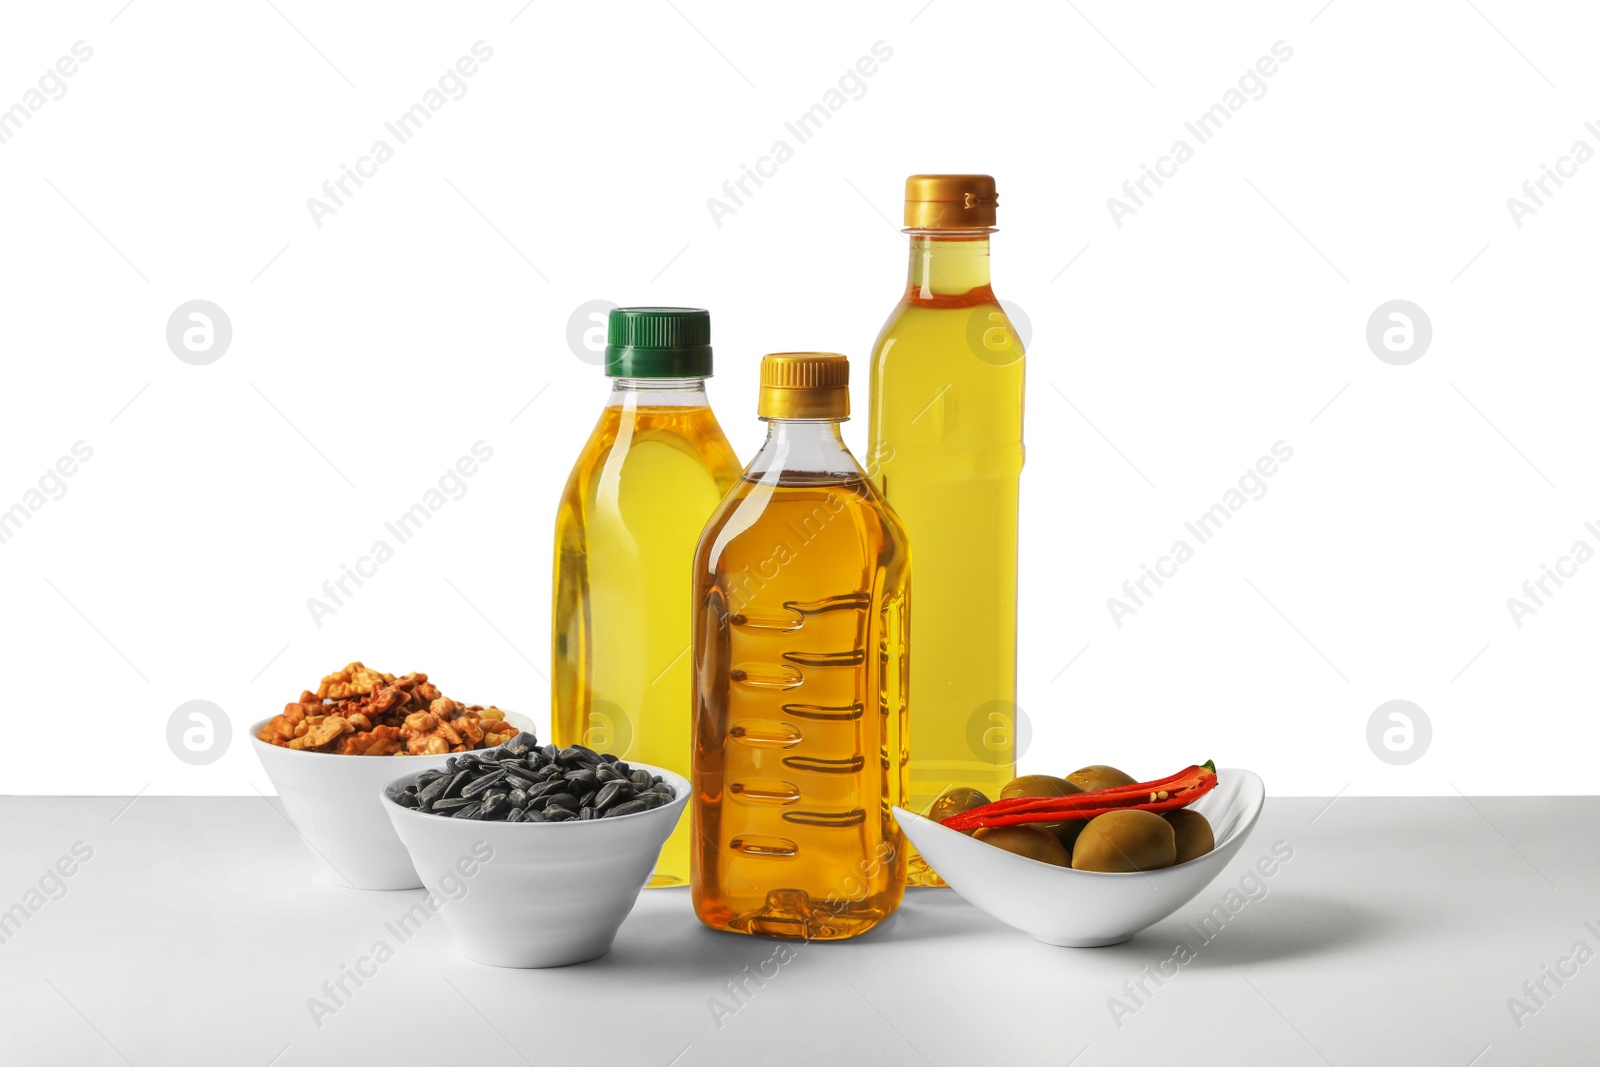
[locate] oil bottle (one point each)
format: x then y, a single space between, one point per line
801 591
653 470
945 440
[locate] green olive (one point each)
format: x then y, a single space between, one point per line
1126 840
1193 833
954 801
1026 841
1046 785
1099 776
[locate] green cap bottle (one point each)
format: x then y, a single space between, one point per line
658 343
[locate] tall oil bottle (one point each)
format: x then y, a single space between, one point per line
945 441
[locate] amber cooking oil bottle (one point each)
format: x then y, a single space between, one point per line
800 678
945 437
653 470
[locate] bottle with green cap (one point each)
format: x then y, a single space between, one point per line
654 469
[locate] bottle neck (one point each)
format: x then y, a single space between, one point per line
657 393
948 263
805 447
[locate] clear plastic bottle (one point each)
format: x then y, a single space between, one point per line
945 437
652 472
800 676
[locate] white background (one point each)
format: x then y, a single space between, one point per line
431 311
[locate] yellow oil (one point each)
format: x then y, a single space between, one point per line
800 661
641 492
945 437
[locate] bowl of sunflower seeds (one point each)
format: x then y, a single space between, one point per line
535 854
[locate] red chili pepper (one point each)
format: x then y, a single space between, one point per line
1164 794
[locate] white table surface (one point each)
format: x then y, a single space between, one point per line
196 934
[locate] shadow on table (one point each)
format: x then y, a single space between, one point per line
934 913
1282 928
1285 926
677 943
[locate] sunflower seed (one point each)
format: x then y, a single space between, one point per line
481 785
582 778
582 754
434 791
613 792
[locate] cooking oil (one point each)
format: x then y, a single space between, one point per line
653 470
945 437
800 678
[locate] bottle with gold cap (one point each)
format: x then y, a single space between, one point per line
801 591
652 471
945 444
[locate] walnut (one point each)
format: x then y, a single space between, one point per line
379 741
362 712
331 727
431 745
420 722
386 698
354 680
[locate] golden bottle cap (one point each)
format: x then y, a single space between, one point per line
804 385
950 202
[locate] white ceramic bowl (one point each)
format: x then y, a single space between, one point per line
1086 909
333 801
542 894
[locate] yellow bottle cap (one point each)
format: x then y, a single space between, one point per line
950 202
804 385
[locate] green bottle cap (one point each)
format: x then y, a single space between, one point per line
658 343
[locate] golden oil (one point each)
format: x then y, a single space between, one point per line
800 675
652 472
945 437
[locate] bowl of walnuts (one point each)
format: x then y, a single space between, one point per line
327 754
